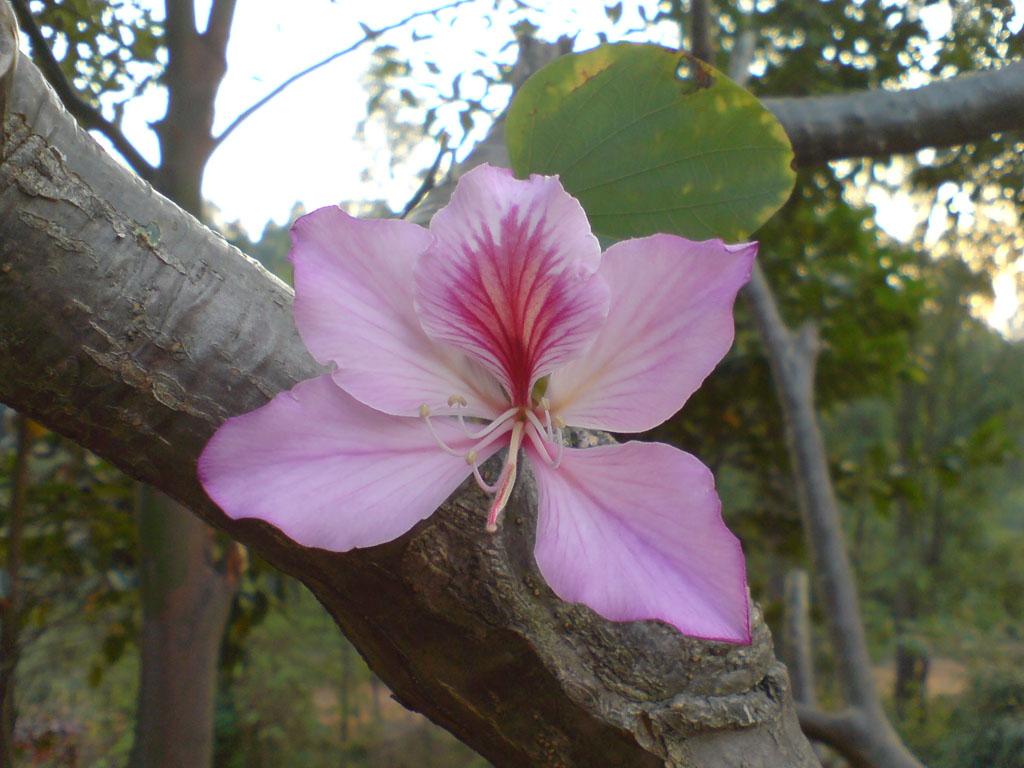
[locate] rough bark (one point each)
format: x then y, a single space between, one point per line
127 326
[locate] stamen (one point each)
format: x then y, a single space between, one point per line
457 400
490 427
425 415
543 447
507 478
537 425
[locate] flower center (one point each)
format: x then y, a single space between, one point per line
533 422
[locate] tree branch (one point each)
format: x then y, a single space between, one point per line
792 360
218 24
700 31
369 34
880 122
131 328
89 116
429 179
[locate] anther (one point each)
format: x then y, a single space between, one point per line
471 458
424 411
457 400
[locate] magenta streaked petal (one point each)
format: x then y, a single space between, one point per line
669 323
635 532
510 279
354 308
329 471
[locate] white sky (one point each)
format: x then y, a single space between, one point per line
301 146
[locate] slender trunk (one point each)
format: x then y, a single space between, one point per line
796 636
867 738
11 604
911 662
345 702
185 603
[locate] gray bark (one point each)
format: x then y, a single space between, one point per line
132 329
880 123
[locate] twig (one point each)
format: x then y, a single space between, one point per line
368 35
700 31
428 181
86 114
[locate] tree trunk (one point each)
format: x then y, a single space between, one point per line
185 604
11 602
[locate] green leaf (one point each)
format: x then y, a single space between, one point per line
652 140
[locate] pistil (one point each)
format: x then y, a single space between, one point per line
507 478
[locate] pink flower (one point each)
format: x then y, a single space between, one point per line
496 328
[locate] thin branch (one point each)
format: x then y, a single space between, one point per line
428 181
89 116
368 36
700 31
880 122
792 357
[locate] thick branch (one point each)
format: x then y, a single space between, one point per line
131 328
88 115
879 122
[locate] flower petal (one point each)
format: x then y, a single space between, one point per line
354 308
510 278
329 471
669 323
635 532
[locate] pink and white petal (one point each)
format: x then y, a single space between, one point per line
354 308
329 471
635 532
669 324
510 278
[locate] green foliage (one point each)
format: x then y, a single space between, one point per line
105 49
652 140
986 727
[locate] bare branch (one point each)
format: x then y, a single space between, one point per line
792 358
700 31
179 21
429 180
89 116
218 24
368 36
880 122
